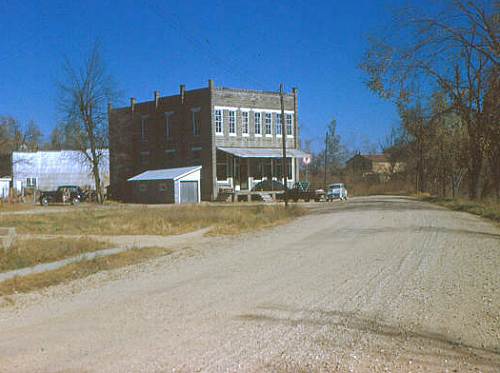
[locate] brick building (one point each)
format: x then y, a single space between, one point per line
234 134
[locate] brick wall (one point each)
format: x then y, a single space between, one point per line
139 141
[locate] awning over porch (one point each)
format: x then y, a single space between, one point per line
264 152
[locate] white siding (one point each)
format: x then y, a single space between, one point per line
54 168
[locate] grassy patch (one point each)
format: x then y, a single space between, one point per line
12 207
486 209
124 220
30 252
79 270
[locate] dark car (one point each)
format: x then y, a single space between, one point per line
268 185
64 194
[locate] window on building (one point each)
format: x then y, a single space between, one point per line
144 127
278 124
244 122
289 168
142 187
195 115
170 154
162 187
144 158
169 125
269 123
31 182
218 122
196 152
289 122
258 123
232 122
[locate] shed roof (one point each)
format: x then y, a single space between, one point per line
165 174
263 152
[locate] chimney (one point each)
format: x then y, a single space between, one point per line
211 84
133 101
182 90
110 106
157 98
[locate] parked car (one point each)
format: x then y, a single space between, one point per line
336 191
268 185
64 194
302 190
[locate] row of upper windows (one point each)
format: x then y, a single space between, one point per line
170 154
262 122
268 117
169 124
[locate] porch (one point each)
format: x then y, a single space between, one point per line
252 171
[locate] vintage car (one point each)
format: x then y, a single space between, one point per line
64 194
336 191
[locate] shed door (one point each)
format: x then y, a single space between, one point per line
189 192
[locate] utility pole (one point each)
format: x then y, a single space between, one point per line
326 160
283 136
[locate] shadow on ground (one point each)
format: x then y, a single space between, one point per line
425 346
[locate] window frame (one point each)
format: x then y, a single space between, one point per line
278 125
245 123
258 123
168 125
289 124
219 114
144 118
196 122
268 124
231 122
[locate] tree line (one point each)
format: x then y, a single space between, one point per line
441 68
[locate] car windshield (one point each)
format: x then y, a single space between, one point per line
336 186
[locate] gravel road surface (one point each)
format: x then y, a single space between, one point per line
373 284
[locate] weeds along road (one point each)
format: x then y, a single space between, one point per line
374 284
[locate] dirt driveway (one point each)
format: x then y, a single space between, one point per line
374 284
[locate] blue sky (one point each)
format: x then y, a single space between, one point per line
313 45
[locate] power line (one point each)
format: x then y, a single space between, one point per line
178 27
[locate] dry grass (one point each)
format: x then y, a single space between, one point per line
14 206
486 209
30 252
79 270
126 220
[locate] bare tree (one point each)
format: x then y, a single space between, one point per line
86 92
16 137
455 51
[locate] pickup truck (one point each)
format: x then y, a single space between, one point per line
64 194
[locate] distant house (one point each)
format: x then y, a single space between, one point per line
373 164
46 170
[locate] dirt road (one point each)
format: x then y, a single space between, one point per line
374 284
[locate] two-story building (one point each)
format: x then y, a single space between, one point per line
234 134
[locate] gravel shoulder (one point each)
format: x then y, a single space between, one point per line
373 284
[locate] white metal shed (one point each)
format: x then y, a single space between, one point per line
172 185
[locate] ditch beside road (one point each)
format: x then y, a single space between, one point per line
372 284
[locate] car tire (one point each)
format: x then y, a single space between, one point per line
44 202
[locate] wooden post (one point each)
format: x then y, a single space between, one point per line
283 136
